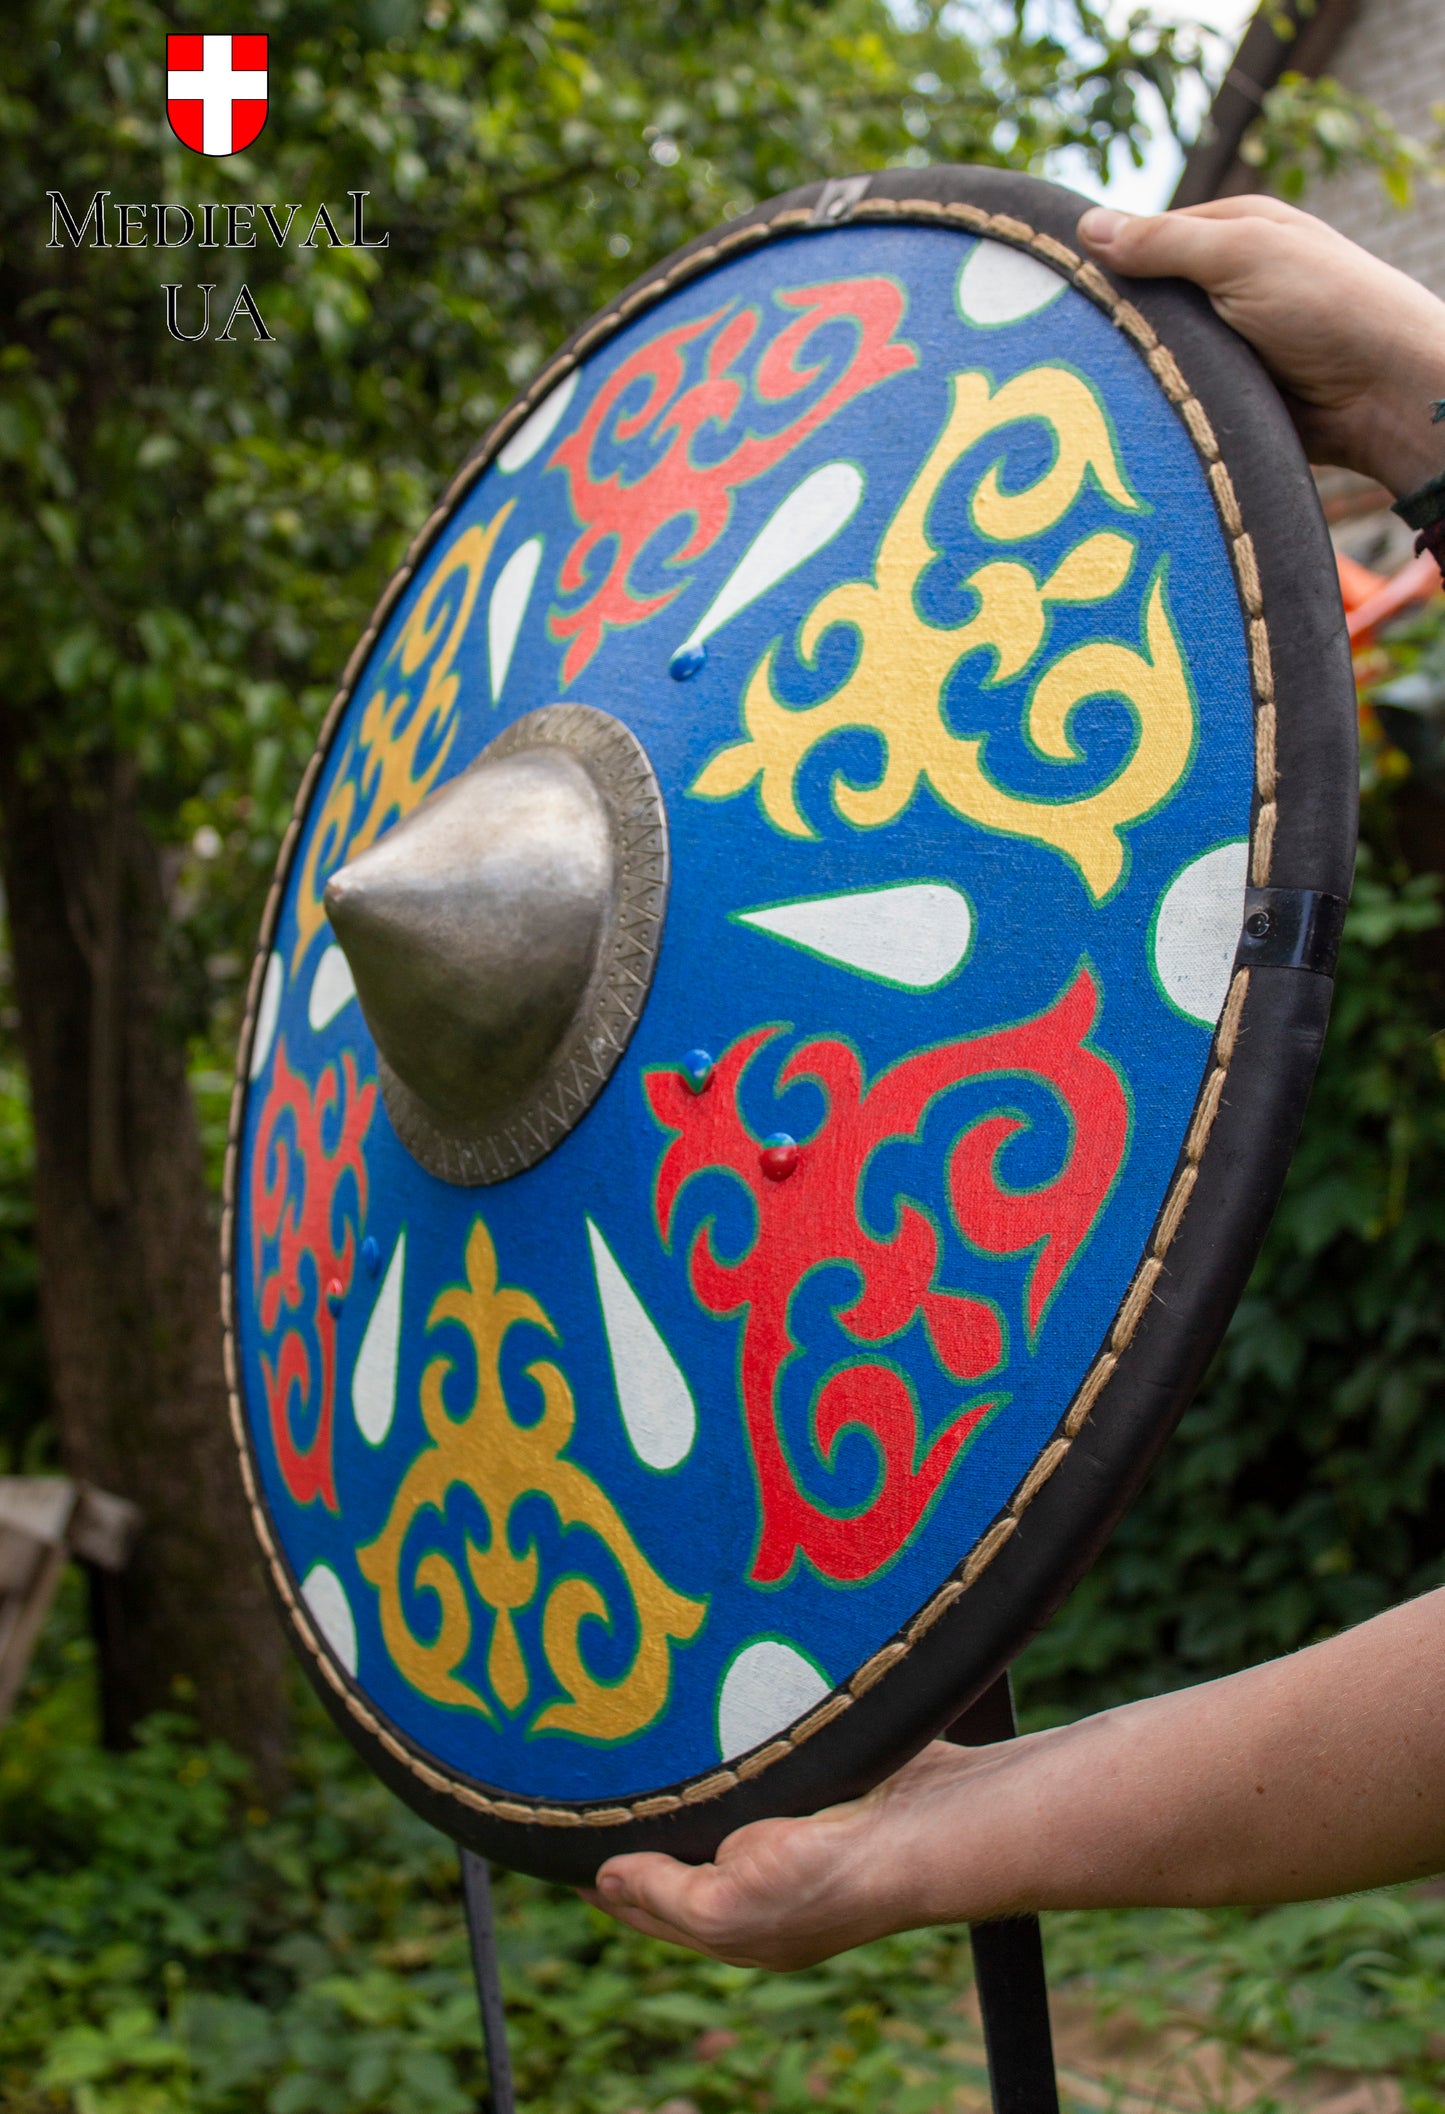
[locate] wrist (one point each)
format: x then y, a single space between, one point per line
1402 437
1092 1815
990 1848
1424 511
1409 452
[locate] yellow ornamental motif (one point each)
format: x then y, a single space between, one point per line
501 1462
397 753
904 664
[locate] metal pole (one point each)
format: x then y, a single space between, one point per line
477 1893
1008 1959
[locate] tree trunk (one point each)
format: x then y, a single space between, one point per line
127 1250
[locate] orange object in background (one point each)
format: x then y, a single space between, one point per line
1370 599
1357 582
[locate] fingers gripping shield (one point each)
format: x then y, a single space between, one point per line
753 1111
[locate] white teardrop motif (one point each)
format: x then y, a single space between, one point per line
331 988
373 1380
811 515
268 1012
768 1686
999 284
535 432
1196 931
330 1610
508 606
916 934
655 1400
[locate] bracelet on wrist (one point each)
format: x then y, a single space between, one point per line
1424 510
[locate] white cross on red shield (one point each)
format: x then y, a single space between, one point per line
216 95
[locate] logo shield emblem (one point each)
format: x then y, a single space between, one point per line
216 97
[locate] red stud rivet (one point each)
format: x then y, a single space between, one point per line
780 1156
335 1295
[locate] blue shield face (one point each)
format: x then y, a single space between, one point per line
892 553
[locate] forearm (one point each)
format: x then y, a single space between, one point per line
1313 1775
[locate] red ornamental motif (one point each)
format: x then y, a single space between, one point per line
314 1257
813 1219
675 488
216 93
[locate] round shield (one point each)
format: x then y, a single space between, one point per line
783 1015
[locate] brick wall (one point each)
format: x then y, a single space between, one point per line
1394 53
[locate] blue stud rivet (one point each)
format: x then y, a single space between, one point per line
370 1257
335 1295
686 662
696 1069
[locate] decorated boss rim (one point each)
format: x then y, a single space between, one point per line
623 899
1237 1142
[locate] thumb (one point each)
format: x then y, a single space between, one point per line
1156 245
1218 251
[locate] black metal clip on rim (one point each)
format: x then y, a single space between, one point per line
1290 928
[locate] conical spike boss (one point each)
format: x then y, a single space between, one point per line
502 938
472 929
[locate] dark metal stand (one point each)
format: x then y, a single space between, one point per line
1008 1962
477 1892
1008 1959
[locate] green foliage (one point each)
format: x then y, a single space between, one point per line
27 1441
1311 129
1409 700
166 1947
193 535
1345 1985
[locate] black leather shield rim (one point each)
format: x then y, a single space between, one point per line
1226 1185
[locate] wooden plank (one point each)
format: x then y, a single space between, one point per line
26 1617
19 1555
38 1505
103 1528
44 1520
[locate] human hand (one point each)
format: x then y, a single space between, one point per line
1323 1773
1358 347
787 1893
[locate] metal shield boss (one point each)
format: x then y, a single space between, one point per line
740 1030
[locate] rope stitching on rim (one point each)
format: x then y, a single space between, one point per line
1122 313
